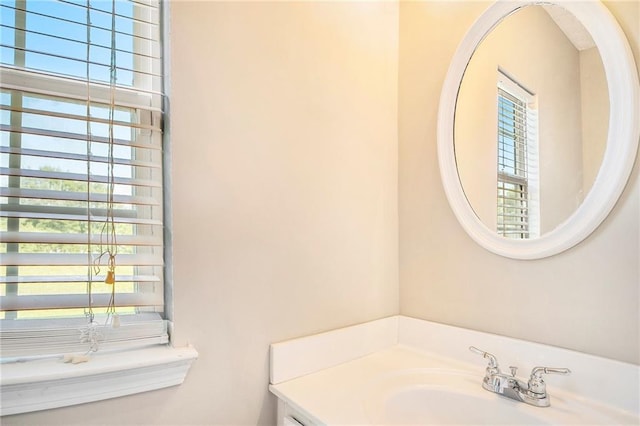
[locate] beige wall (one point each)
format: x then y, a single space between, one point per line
284 151
530 48
586 298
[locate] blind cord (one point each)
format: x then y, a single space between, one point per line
108 238
89 309
108 241
112 241
108 233
88 334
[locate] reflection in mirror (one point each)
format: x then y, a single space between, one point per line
531 122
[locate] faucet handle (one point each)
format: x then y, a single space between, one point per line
493 362
538 371
536 384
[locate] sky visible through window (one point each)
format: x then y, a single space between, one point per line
56 38
55 42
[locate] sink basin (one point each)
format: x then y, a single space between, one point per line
434 396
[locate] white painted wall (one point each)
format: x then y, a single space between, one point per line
586 298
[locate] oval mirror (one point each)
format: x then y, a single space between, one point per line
531 121
538 127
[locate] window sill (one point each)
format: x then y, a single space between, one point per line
50 383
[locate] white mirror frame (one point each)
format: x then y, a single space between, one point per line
622 139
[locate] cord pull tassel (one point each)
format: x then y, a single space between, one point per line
111 278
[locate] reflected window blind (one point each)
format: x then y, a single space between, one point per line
64 127
513 187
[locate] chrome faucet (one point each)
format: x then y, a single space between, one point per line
533 392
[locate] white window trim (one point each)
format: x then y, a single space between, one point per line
42 384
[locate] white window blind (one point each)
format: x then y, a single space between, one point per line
513 193
80 118
518 206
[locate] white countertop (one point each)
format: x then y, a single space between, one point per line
356 390
335 396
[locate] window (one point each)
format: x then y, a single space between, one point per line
517 200
80 173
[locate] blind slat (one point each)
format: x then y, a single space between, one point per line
83 118
46 174
506 192
63 259
61 336
71 301
521 218
76 196
39 279
70 58
81 157
150 4
65 238
21 211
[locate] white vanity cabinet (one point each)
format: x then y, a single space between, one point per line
289 416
